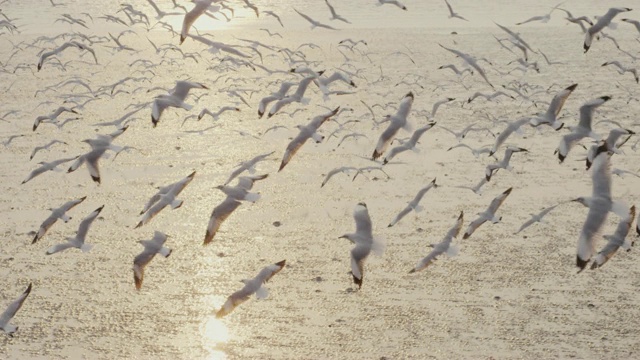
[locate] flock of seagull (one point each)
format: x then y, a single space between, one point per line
303 75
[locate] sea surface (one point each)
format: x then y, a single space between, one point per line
504 296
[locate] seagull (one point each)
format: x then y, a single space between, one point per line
399 120
577 20
583 129
489 214
392 2
161 13
334 15
516 37
551 116
463 133
241 191
306 132
53 116
78 240
437 104
11 311
10 139
600 24
635 23
59 213
470 61
609 143
202 6
488 97
502 164
166 198
43 147
364 242
616 240
622 173
216 115
536 217
314 23
278 95
455 69
248 165
295 97
251 286
47 166
408 145
341 169
443 247
542 18
272 14
175 98
414 204
63 47
475 152
151 248
599 204
476 189
623 69
453 14
99 147
511 127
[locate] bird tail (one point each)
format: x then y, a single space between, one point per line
378 246
252 197
165 251
86 247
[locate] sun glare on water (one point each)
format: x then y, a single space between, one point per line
214 333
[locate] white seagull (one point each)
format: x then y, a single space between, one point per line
166 198
551 116
251 286
443 247
175 98
202 6
59 213
536 217
306 132
600 24
45 147
414 204
623 69
616 240
453 14
78 241
241 191
151 248
502 164
46 166
248 166
511 127
489 214
583 129
392 2
471 61
408 145
365 242
397 121
11 311
314 23
278 95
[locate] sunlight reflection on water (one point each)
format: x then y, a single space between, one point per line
214 332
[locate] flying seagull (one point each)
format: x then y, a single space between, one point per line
442 247
414 204
11 311
251 286
489 214
151 248
78 241
59 213
364 242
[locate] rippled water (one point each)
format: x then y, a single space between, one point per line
503 296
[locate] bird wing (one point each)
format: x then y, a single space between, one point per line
13 308
363 221
86 222
218 216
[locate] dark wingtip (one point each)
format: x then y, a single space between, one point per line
410 94
35 239
466 235
461 215
282 166
362 204
260 113
606 98
357 281
561 157
585 47
581 263
385 161
28 291
281 263
572 87
182 39
139 224
375 155
96 179
412 271
390 225
508 191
